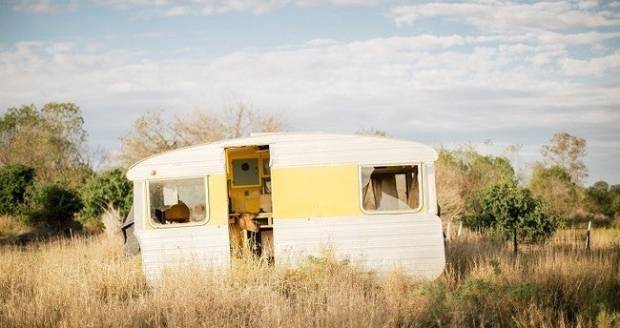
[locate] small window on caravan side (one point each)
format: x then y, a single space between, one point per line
391 188
181 201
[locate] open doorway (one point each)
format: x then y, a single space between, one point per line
249 193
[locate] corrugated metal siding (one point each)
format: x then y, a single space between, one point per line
206 246
381 243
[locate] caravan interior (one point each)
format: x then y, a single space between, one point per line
250 218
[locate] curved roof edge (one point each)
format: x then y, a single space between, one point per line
291 147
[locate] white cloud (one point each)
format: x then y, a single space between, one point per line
583 38
43 6
493 15
508 16
177 11
217 7
321 42
545 37
592 66
339 3
185 7
60 47
447 85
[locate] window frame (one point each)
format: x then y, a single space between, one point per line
156 225
380 212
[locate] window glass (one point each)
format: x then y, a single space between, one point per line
178 201
245 172
390 188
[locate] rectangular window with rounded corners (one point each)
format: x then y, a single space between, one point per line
391 188
179 201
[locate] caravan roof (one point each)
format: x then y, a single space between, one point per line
287 150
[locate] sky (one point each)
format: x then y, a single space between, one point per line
443 73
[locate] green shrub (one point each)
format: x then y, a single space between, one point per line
52 205
524 291
14 180
603 198
107 188
513 211
554 186
435 295
477 298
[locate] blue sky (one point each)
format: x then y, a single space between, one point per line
440 72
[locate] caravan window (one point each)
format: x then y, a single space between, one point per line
391 188
178 201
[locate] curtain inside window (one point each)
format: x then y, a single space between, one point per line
413 189
384 188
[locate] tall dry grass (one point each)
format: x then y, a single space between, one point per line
11 229
88 282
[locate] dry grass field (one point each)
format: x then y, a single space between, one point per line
88 282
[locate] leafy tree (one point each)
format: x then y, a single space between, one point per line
451 183
486 170
53 205
20 136
567 151
14 180
109 188
514 212
555 187
50 140
601 198
462 173
615 204
152 133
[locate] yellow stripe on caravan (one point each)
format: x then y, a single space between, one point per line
218 200
317 191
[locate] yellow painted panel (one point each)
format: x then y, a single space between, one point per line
218 200
242 203
320 191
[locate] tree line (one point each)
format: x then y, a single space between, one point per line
47 177
485 193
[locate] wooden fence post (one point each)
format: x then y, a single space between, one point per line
589 236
